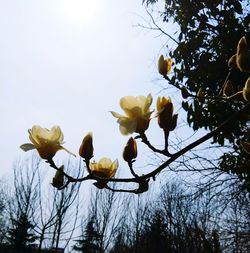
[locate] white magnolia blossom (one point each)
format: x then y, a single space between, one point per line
47 142
105 168
137 114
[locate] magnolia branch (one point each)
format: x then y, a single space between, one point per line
143 180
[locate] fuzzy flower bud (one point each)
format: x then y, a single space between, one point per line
164 112
164 65
86 149
130 150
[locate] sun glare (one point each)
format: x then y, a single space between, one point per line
80 11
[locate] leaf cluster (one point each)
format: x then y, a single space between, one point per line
207 37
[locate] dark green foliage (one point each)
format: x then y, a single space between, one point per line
209 32
160 236
21 235
238 164
120 245
208 37
90 241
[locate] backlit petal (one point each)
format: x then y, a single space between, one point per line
127 126
117 115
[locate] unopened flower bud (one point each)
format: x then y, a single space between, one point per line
164 65
246 90
130 150
228 89
58 179
165 112
86 149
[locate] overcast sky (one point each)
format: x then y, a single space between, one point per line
68 63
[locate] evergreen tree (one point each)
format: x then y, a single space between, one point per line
21 235
90 242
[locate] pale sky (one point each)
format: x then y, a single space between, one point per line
61 65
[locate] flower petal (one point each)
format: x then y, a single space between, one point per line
117 115
115 164
55 134
27 146
128 102
127 126
148 102
105 162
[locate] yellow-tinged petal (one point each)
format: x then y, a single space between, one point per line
118 115
55 134
105 162
164 65
32 138
137 110
127 126
162 102
128 102
148 103
105 168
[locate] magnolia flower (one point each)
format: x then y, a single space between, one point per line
137 114
243 55
105 168
47 142
164 65
86 149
